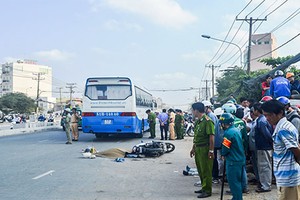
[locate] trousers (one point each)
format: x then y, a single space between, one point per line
235 176
204 167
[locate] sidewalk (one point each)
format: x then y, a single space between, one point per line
28 127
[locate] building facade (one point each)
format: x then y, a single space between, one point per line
262 47
27 77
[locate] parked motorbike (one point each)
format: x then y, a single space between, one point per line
188 128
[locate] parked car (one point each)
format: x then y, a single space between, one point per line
63 119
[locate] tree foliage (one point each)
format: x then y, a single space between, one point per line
237 83
233 83
274 62
17 102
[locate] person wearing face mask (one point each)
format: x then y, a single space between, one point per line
233 153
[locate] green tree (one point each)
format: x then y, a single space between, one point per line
274 62
17 102
233 83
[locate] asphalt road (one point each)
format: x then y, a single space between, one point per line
40 166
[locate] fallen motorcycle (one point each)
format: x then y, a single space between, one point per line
151 149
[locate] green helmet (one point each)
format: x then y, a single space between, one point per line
226 118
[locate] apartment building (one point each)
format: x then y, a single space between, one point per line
30 78
262 47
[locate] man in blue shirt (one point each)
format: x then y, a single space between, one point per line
163 124
264 146
286 156
280 86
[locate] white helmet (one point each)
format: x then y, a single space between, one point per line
68 110
229 108
207 103
278 73
218 111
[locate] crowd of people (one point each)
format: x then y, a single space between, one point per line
280 85
262 133
171 124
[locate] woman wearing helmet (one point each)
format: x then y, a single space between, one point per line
233 151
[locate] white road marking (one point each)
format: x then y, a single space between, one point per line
43 141
44 174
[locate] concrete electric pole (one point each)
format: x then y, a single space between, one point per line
38 78
251 21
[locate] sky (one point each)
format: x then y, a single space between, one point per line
157 43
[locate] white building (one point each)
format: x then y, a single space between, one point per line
24 76
262 47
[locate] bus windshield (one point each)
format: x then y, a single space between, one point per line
108 92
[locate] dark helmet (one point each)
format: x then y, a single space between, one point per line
284 100
226 118
265 98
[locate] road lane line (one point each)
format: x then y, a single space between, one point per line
44 174
43 141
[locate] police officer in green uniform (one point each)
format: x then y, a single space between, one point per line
179 120
152 123
203 148
68 125
233 151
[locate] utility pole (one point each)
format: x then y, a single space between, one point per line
38 88
61 106
251 21
213 67
206 88
71 86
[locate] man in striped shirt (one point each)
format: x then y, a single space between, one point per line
286 156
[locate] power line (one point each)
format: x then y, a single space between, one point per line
255 8
174 90
290 17
277 8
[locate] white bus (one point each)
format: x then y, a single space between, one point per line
114 105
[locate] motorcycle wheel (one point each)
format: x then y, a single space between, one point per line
169 147
190 132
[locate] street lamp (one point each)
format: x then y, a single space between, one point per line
241 54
